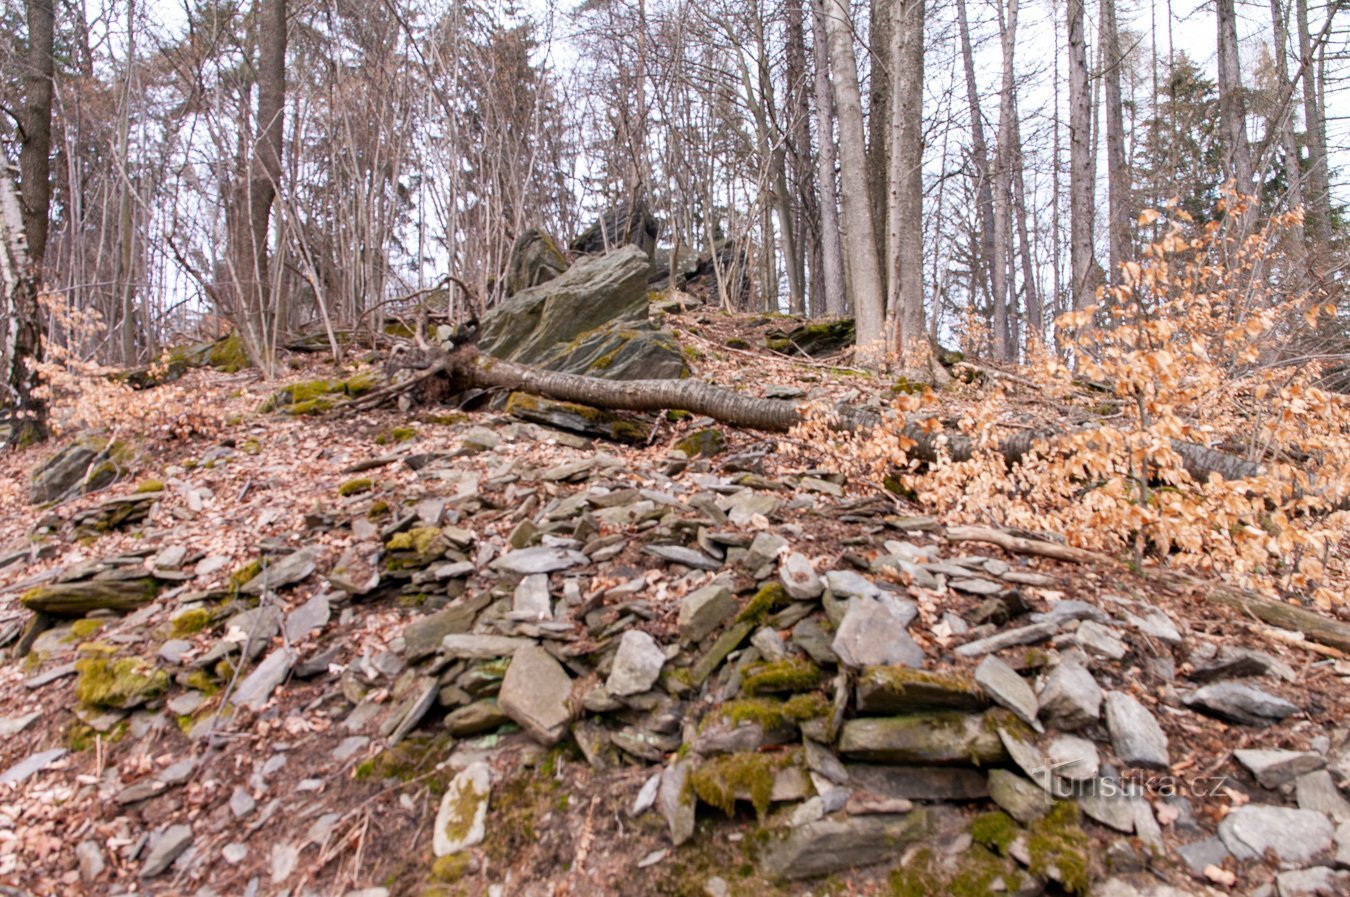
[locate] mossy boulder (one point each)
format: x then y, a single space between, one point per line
119 682
703 443
813 338
901 689
922 738
85 465
318 396
227 354
592 320
576 418
759 779
77 599
535 259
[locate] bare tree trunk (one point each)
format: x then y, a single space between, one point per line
1232 107
35 127
25 411
832 247
1034 302
1316 193
879 103
979 154
904 232
1284 126
864 268
1005 348
801 165
1118 173
1080 162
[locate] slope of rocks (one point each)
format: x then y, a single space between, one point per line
476 655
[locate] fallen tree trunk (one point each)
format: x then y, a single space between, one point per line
471 368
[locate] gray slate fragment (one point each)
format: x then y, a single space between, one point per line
1317 791
1071 697
833 845
872 635
461 820
257 687
703 610
847 584
1002 683
1062 612
679 554
637 664
1023 800
1100 640
474 646
945 783
282 572
1275 768
13 725
1025 635
1136 736
535 693
540 559
676 802
306 618
532 600
31 765
1198 855
799 577
1296 836
1073 758
1240 703
168 846
1319 881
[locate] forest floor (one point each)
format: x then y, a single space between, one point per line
240 735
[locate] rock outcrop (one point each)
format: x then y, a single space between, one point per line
592 319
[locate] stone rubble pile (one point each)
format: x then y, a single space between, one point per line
900 690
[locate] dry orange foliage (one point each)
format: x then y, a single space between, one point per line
1195 345
83 394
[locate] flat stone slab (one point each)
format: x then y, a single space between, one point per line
473 646
461 821
1295 836
1071 697
828 846
1239 703
540 559
1002 683
535 693
167 848
871 634
637 665
923 738
679 554
1275 768
896 689
31 765
799 577
1135 734
282 572
257 687
703 610
953 783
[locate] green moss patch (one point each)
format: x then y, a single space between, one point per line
356 486
791 675
228 355
396 435
768 599
190 622
1060 849
123 682
748 776
704 443
772 714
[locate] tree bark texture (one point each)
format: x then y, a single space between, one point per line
831 243
1080 162
1232 107
1118 172
20 328
35 126
904 213
863 263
